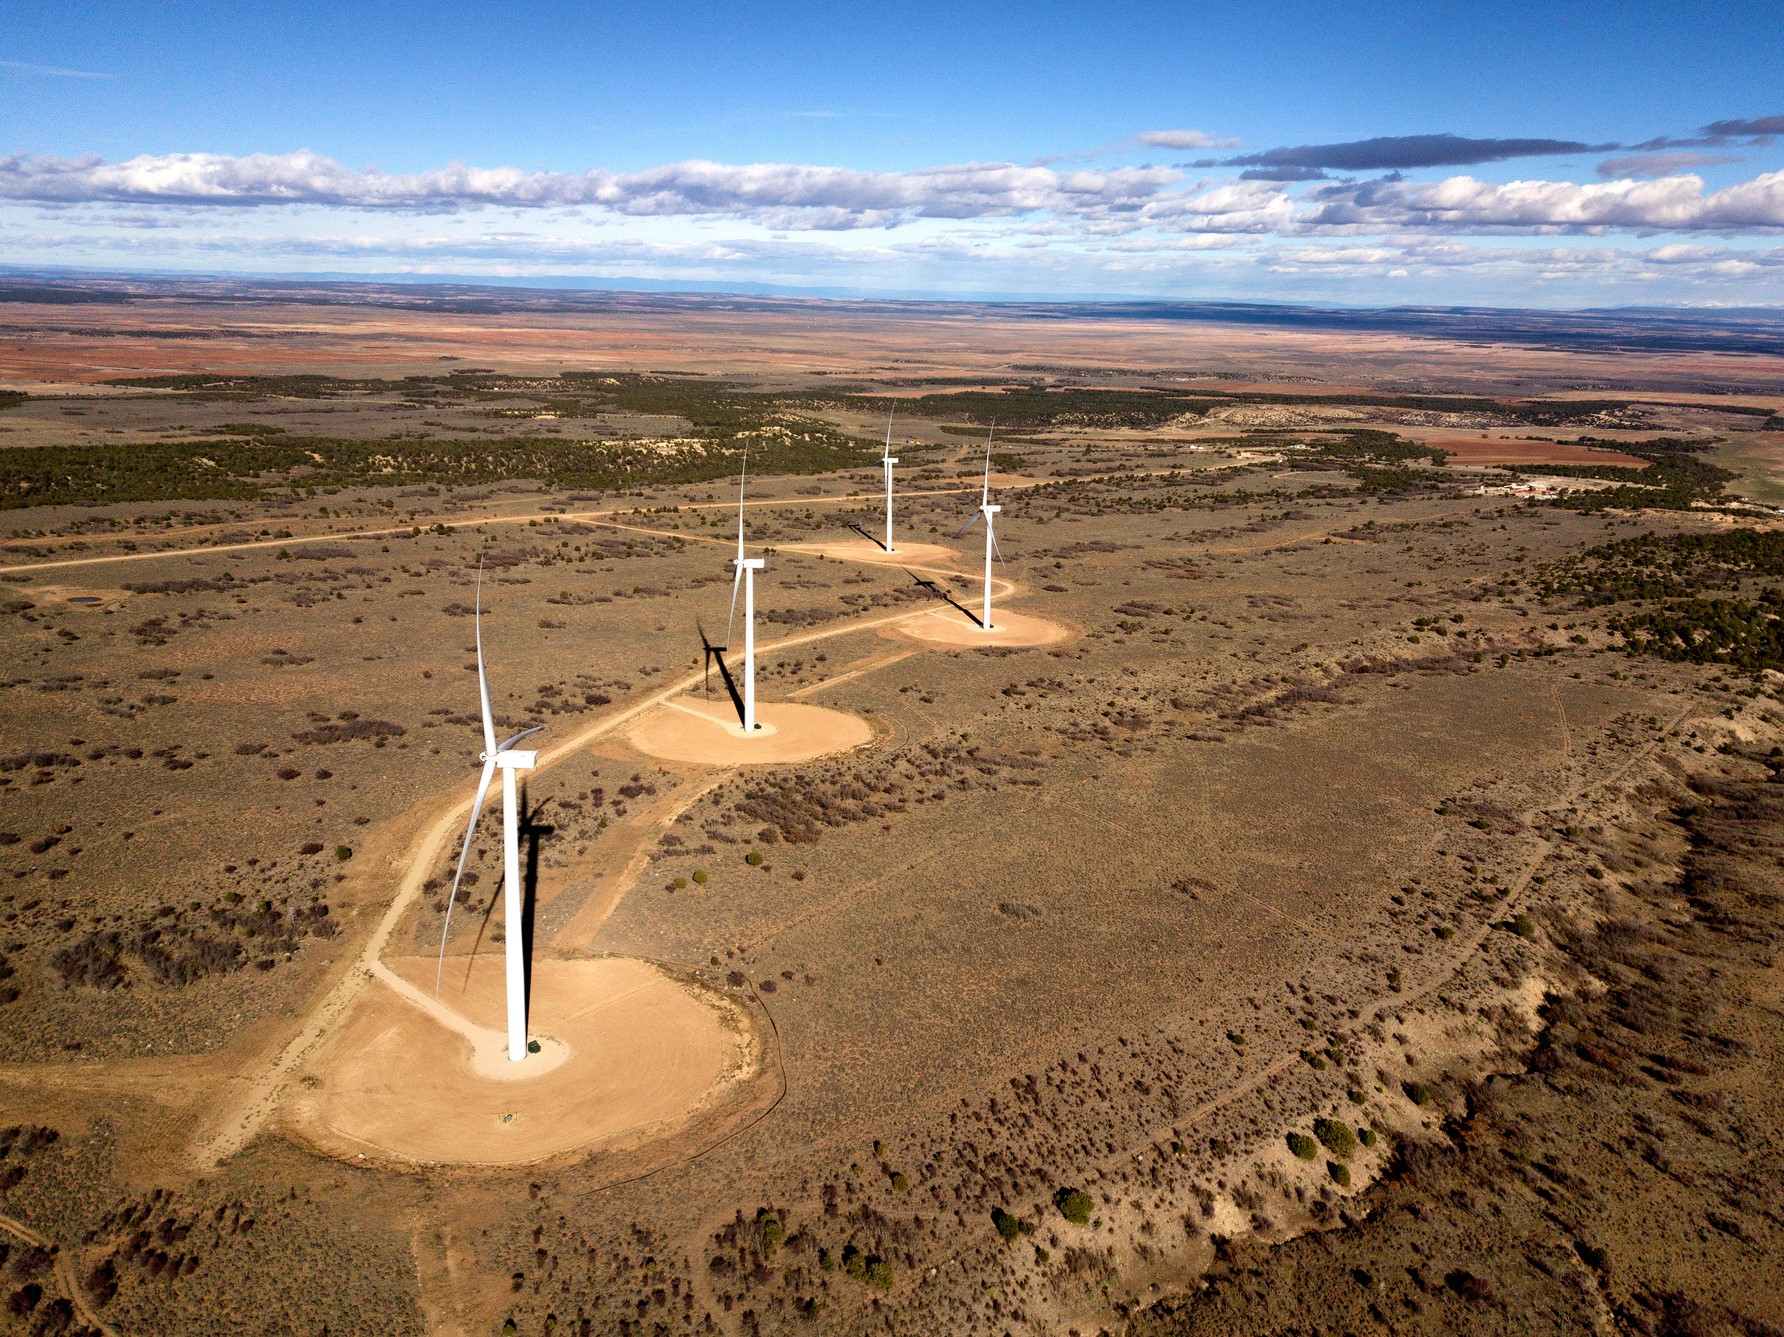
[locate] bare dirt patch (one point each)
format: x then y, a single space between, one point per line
646 1054
708 734
950 626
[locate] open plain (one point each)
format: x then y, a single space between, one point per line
1381 723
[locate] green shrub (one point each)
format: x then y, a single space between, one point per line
1366 1136
1303 1146
700 876
1074 1204
681 884
1040 1254
1336 1137
1313 1060
1417 1092
900 1181
774 1234
343 852
753 858
1007 1225
1340 1173
1523 925
879 1273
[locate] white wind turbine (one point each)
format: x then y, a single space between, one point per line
507 759
745 575
887 460
986 512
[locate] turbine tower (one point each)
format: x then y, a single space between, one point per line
503 757
887 460
744 574
986 512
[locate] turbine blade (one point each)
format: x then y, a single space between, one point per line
489 771
992 532
517 737
742 477
976 517
985 494
736 584
887 453
489 723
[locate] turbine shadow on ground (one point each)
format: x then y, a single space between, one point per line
942 594
533 832
717 652
877 542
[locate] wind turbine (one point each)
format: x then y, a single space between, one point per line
503 757
887 460
986 512
745 575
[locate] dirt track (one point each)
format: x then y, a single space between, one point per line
240 1116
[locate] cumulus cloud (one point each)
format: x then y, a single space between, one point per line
1405 152
1463 204
779 194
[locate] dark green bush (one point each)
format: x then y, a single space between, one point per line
1303 1146
1074 1204
1335 1137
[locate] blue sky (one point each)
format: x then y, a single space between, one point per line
1284 151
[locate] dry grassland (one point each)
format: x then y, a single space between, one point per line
1286 799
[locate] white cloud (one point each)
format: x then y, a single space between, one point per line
780 195
1464 204
1183 139
52 71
